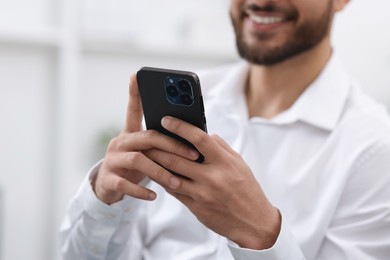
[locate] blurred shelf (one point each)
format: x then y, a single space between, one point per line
113 44
39 38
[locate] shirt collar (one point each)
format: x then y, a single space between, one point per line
323 102
320 105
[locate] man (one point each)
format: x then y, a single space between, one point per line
298 168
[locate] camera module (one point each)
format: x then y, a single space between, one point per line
179 91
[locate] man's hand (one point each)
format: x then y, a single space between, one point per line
222 191
125 164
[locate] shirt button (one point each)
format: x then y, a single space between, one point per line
96 250
110 216
128 210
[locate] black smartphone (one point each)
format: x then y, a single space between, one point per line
176 93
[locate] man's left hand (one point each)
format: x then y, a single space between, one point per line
221 192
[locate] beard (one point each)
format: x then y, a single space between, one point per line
305 37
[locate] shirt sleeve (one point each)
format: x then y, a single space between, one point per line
95 230
285 247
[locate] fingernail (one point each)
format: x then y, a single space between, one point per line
174 182
165 121
194 154
152 196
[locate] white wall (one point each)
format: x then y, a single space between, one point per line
362 39
25 152
64 72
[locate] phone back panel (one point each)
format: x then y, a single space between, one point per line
154 89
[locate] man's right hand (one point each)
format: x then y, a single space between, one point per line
125 165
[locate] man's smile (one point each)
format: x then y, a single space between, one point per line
265 19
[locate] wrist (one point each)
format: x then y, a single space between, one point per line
264 235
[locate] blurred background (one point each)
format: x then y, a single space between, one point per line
64 73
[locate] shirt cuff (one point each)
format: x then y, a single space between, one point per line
285 247
98 210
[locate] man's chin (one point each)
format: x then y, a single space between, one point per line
262 55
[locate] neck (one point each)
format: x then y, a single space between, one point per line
273 89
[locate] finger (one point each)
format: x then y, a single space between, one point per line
126 187
222 143
139 162
201 140
150 139
134 108
190 172
174 163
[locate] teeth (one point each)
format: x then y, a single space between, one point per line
265 19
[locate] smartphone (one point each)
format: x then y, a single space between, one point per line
176 93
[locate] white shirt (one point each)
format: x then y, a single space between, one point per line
325 163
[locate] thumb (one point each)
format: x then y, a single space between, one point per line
134 108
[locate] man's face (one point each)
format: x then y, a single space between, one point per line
271 31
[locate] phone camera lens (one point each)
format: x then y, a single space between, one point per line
186 99
185 86
172 91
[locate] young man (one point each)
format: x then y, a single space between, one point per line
298 168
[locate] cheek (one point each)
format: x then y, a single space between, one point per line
310 11
338 5
235 7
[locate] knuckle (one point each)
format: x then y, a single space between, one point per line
119 184
214 136
200 138
118 143
212 176
160 173
150 134
108 163
177 145
171 162
218 180
113 144
204 198
221 186
133 158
